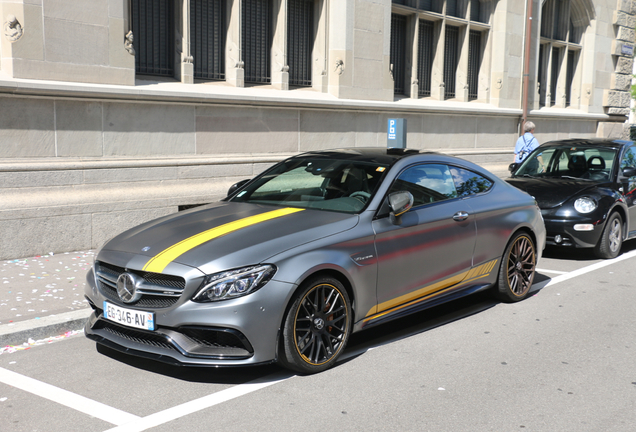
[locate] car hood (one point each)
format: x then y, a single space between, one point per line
226 235
551 192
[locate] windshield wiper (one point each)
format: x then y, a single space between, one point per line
575 178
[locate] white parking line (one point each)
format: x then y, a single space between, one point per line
66 398
590 268
551 271
142 424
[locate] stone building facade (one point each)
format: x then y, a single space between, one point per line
114 112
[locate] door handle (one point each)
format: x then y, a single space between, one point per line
460 216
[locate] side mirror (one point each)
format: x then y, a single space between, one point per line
400 203
236 186
629 172
513 167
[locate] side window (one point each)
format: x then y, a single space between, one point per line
468 182
629 159
427 183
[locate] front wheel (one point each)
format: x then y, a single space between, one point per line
516 271
316 327
609 245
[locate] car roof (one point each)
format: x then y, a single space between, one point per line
594 142
383 155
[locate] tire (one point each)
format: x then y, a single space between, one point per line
609 245
316 326
516 271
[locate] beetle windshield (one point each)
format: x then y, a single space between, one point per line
580 162
318 183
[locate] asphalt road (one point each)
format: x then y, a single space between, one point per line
562 360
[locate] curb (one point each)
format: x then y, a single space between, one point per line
20 332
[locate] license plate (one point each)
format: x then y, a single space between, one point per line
129 317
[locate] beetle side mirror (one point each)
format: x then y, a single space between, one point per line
399 202
629 172
236 186
513 167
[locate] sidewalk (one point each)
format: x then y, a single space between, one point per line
42 296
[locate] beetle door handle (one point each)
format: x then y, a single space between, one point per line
460 216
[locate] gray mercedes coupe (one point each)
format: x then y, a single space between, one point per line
319 246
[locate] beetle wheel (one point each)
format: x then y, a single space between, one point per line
609 245
516 272
316 327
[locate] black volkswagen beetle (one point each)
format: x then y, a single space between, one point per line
586 189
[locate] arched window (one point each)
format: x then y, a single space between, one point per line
563 23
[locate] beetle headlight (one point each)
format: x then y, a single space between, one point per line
234 283
585 205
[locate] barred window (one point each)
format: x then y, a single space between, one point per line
451 58
207 38
256 40
474 63
453 23
562 26
426 47
153 29
300 20
398 51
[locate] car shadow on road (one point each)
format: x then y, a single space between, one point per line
417 323
568 253
209 375
359 343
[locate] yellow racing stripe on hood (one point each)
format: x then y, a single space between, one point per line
160 261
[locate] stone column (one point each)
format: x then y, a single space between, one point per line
280 68
320 69
186 61
617 98
234 72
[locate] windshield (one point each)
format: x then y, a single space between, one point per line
317 183
580 162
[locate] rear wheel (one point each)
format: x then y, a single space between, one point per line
609 245
316 326
516 271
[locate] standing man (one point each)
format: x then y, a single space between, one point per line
526 142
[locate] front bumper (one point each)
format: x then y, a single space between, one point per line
571 237
236 332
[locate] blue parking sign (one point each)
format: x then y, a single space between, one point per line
396 133
391 132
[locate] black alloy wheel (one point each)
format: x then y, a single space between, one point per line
316 327
516 272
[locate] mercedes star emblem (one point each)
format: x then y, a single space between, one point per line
127 288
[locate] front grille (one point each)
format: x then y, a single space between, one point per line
158 290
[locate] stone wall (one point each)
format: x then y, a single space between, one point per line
67 41
77 171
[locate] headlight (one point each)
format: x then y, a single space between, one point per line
585 205
234 283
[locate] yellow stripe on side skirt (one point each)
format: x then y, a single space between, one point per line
161 260
429 291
